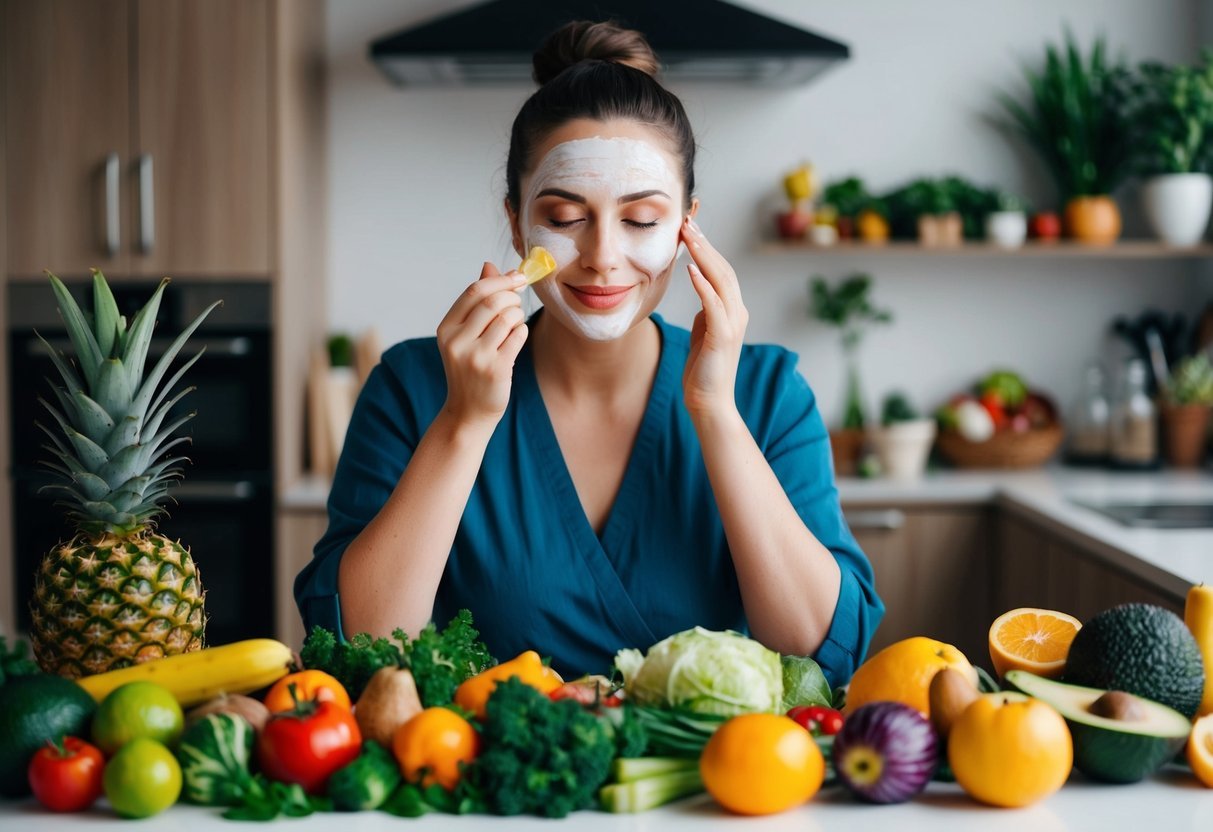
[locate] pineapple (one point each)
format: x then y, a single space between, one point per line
118 592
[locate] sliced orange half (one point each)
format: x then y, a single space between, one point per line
537 265
1033 640
1200 750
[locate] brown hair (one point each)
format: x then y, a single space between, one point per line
597 71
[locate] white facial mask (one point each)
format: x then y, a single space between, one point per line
603 170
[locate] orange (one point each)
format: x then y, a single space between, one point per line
902 672
1037 641
1200 750
760 764
431 746
1007 749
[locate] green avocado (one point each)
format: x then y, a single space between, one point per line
1140 649
34 709
1135 739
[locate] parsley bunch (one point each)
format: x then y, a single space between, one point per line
439 660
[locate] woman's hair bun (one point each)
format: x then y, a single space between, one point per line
585 40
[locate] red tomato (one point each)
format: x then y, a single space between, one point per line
67 778
308 744
817 720
998 412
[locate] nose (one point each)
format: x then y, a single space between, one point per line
600 249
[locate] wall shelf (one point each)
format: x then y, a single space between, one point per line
1122 250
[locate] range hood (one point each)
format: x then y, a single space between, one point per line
696 40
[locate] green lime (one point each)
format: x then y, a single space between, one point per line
134 710
142 779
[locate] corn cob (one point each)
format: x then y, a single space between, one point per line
240 667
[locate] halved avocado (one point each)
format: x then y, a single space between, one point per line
1117 750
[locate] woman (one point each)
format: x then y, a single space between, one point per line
594 478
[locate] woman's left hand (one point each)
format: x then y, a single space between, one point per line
718 331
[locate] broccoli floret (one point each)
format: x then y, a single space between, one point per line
540 757
366 782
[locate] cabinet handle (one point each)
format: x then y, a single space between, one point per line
113 211
888 520
147 204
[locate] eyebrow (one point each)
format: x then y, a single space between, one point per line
578 198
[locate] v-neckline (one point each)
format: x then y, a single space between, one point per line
631 488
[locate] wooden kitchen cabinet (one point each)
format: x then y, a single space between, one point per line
932 567
138 137
1038 568
298 531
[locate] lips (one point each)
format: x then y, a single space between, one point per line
599 297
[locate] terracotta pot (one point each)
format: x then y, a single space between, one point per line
1185 427
846 444
940 229
1093 219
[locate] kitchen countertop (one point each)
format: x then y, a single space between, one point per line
1172 798
1172 559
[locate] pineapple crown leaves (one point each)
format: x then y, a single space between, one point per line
111 418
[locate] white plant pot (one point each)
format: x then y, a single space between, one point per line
1007 229
1177 206
902 448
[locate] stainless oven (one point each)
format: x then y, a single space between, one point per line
223 510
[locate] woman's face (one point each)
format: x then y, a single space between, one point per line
606 200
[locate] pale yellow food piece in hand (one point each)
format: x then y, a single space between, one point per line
537 265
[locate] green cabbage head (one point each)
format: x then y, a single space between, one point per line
708 672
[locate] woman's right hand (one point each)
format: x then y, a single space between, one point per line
479 339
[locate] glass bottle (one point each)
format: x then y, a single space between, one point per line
1090 429
1134 421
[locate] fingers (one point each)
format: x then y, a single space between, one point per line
712 264
490 282
715 316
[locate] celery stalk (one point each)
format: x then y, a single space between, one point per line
627 769
650 792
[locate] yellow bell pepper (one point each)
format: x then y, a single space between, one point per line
1198 615
529 669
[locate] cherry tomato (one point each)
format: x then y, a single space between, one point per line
308 744
310 685
817 720
67 777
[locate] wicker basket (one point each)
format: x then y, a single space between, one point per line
1005 449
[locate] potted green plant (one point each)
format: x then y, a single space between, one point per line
1186 401
1172 114
849 197
903 440
1076 120
848 307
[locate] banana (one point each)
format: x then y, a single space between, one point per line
200 676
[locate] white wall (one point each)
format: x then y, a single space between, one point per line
418 178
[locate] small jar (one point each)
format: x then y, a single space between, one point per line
1134 436
1090 421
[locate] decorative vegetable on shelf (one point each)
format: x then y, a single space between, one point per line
799 185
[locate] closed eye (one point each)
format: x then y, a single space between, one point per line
636 224
564 223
